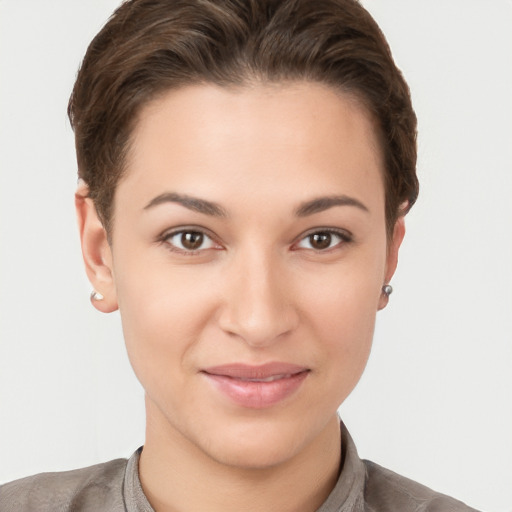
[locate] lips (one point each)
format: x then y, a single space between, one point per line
256 387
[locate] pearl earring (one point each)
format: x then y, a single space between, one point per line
387 290
96 296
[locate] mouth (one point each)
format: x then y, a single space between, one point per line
272 378
256 387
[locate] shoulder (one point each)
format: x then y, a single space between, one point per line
93 488
388 491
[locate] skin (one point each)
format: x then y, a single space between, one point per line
257 290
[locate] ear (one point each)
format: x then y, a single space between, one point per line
95 250
392 256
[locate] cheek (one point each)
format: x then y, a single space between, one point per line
345 320
345 296
346 330
340 313
162 313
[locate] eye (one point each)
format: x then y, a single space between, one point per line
323 240
189 241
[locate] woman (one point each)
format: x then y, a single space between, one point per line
245 169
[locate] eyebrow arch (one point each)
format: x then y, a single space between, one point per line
192 203
321 204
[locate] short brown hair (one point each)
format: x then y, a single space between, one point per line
148 47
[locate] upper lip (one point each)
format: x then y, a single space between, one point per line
263 371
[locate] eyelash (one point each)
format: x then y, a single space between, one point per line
165 239
344 236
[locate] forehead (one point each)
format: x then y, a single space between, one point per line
261 137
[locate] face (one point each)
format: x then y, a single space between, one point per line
247 259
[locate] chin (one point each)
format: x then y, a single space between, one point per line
258 445
258 453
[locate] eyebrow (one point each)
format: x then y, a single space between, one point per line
192 203
321 204
205 207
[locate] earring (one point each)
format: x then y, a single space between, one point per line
96 296
387 290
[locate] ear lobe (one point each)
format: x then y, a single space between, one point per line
96 251
392 256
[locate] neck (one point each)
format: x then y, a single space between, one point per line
176 476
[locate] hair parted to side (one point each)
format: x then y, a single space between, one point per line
149 47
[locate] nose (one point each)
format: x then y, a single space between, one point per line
258 302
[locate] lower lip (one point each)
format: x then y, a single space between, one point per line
257 395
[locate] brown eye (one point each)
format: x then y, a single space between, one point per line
323 240
191 240
320 241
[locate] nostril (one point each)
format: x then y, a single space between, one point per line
262 326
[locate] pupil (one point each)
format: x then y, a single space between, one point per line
192 240
320 240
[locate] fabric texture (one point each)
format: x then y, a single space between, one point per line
114 486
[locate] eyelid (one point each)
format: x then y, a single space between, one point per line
163 239
345 235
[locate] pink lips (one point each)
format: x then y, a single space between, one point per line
257 387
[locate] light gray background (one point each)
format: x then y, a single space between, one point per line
435 402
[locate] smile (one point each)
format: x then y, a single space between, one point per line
256 387
268 379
